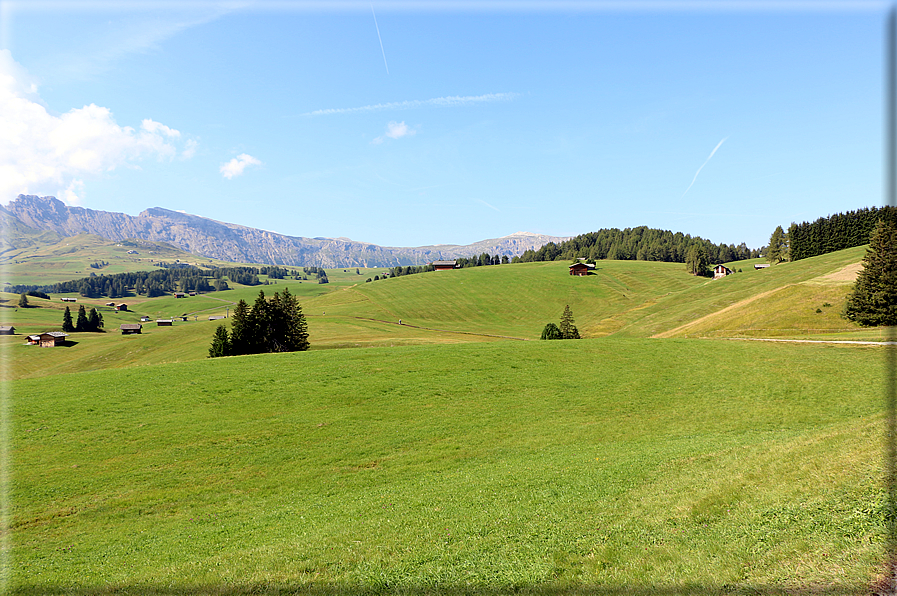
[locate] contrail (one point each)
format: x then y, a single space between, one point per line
378 37
702 166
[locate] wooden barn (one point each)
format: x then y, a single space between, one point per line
164 322
579 269
33 340
129 328
180 295
121 307
444 265
7 330
51 339
721 271
758 266
215 317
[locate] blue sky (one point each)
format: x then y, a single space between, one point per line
715 119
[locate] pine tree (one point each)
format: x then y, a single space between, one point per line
81 324
778 246
241 332
696 259
567 328
874 297
23 300
221 345
94 320
67 325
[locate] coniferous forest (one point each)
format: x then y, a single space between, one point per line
836 232
641 243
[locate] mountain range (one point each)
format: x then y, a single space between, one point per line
30 217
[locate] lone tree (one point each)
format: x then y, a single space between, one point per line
567 328
23 301
874 298
67 325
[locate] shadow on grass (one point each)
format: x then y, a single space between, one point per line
347 590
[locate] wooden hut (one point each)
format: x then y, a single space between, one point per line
7 330
51 339
129 328
444 265
579 269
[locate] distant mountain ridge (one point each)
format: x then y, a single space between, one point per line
242 244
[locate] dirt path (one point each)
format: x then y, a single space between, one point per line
818 341
738 304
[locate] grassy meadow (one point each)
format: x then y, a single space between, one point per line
451 453
600 466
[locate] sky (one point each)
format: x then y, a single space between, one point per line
418 123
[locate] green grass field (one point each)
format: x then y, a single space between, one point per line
600 466
444 455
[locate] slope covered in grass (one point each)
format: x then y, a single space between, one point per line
613 465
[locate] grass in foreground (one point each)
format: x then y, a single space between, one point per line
613 465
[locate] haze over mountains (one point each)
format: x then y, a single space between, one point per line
232 242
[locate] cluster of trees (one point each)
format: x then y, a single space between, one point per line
641 243
98 264
410 269
84 322
873 300
832 233
275 325
566 330
247 276
483 259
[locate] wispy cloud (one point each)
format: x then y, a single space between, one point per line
488 205
236 166
395 130
702 166
442 102
380 38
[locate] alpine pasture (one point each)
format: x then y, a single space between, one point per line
455 453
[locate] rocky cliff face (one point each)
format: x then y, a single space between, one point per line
232 242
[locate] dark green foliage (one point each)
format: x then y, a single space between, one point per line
94 320
275 325
551 331
220 343
81 324
241 331
67 325
567 328
696 260
23 300
37 294
874 298
642 243
836 232
778 247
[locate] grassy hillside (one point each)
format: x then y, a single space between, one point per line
497 303
600 466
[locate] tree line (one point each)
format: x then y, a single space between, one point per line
275 325
641 243
830 234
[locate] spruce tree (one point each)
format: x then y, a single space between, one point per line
94 320
81 324
23 300
220 343
696 259
874 298
778 247
67 325
241 332
567 328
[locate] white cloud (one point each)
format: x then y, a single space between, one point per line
189 149
41 152
450 101
73 194
395 130
236 166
